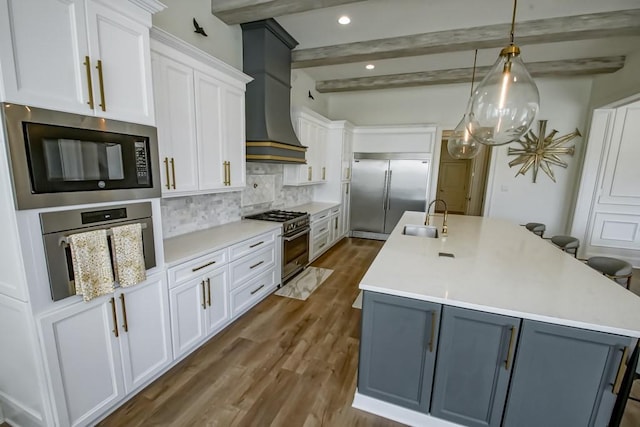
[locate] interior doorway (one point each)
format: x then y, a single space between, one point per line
462 183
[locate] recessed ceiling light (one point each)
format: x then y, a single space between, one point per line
344 20
370 66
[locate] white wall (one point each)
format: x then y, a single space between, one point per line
624 83
301 84
223 41
564 102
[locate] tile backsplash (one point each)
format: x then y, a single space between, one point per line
182 215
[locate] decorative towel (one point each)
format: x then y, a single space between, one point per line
91 261
128 254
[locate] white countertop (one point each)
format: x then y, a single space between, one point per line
192 245
313 208
502 268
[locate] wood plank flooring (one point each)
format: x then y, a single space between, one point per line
285 363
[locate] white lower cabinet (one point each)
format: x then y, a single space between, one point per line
326 230
100 351
199 307
208 292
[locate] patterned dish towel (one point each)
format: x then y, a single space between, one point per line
92 271
128 254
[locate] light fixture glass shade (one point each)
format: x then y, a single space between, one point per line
461 145
505 103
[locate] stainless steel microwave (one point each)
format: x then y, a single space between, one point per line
61 159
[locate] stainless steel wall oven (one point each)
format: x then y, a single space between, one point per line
60 159
56 226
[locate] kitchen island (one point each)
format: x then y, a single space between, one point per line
508 331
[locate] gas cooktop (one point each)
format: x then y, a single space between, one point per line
292 221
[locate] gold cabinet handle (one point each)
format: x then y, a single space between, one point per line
257 244
204 302
166 167
257 289
433 331
87 67
324 170
202 266
125 325
103 105
621 369
309 174
336 221
173 173
209 291
507 362
112 301
228 173
347 187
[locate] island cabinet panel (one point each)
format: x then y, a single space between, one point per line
564 376
474 364
398 349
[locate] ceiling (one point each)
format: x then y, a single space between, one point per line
554 35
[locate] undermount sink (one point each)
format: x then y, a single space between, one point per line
420 230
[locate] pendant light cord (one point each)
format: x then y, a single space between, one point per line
473 75
513 19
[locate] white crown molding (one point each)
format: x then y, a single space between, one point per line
151 6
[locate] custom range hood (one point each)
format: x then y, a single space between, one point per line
267 58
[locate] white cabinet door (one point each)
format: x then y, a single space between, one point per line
188 305
347 154
78 56
42 49
234 142
121 65
175 106
83 356
217 312
346 208
320 154
208 101
145 336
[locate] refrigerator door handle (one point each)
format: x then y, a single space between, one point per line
385 189
389 190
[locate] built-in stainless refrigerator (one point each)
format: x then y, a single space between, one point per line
383 187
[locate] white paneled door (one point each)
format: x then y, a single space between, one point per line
607 214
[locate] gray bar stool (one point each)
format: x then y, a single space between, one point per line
536 228
616 269
568 244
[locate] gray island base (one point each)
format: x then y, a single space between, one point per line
435 351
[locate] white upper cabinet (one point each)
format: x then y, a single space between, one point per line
200 115
82 56
312 131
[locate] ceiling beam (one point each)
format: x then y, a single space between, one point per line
240 11
564 68
580 27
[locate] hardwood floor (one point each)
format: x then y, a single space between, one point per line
285 363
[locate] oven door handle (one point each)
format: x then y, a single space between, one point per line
295 236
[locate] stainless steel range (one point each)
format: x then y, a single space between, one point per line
295 239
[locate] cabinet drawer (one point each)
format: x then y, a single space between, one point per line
320 228
249 294
319 216
247 267
197 267
251 245
320 243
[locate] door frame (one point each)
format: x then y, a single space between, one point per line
478 177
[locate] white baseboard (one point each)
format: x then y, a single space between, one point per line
398 413
18 415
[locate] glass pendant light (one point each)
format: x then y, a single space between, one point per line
461 145
505 103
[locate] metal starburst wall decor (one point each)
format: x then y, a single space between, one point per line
540 152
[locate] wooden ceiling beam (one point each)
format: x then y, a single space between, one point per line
564 68
567 28
234 12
